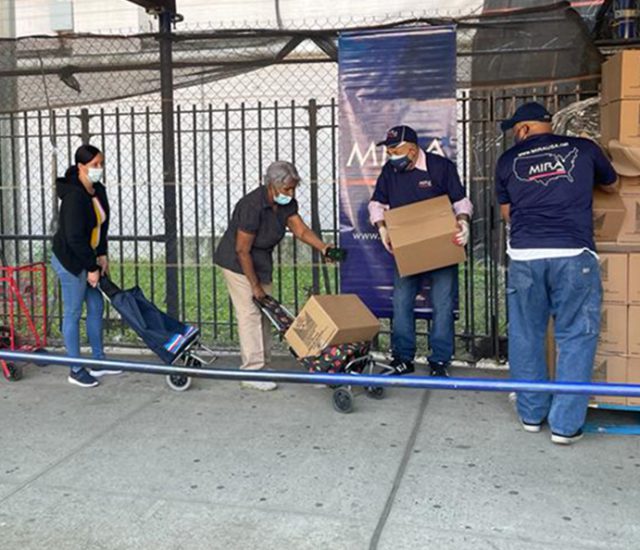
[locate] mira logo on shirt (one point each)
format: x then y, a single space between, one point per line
546 167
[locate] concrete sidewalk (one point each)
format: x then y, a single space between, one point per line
132 464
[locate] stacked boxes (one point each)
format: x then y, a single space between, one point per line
620 99
618 354
617 227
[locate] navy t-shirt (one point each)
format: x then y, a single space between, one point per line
402 188
548 180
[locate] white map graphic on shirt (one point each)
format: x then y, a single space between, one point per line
545 167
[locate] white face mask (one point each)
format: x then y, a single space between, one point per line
95 174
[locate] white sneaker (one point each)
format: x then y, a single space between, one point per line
559 439
97 373
531 428
260 386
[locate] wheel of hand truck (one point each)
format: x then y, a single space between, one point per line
41 350
178 382
342 400
182 382
12 372
375 392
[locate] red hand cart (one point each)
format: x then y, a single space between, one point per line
23 312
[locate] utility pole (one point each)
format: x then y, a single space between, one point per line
169 162
165 10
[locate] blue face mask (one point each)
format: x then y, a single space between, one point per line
400 162
282 200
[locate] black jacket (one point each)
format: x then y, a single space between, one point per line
76 221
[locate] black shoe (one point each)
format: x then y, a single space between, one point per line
82 378
402 367
439 369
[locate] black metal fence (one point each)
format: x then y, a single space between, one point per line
221 153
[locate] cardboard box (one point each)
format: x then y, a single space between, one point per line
422 236
608 215
633 334
633 377
621 76
614 272
611 369
629 185
625 160
613 329
634 279
630 230
330 320
620 120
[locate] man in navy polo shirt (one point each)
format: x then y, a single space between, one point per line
545 189
412 175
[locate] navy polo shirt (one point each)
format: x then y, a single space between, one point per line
401 188
253 214
548 180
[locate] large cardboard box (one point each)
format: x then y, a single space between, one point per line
620 120
614 272
613 329
329 320
625 160
611 369
621 77
634 279
633 377
633 334
608 215
422 236
630 230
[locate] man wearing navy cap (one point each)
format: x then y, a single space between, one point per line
412 175
545 185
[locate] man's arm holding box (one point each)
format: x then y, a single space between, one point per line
605 175
376 215
462 206
377 205
610 188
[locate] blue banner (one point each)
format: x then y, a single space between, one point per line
387 77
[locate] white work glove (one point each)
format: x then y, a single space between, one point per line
386 240
462 237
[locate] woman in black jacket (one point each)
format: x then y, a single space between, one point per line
80 256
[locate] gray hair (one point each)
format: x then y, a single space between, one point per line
280 173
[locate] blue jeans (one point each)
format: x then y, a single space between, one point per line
75 292
569 289
443 293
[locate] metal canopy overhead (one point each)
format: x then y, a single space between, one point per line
504 48
156 5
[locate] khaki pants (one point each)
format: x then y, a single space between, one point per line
253 328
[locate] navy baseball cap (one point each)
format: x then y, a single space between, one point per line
528 111
398 134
